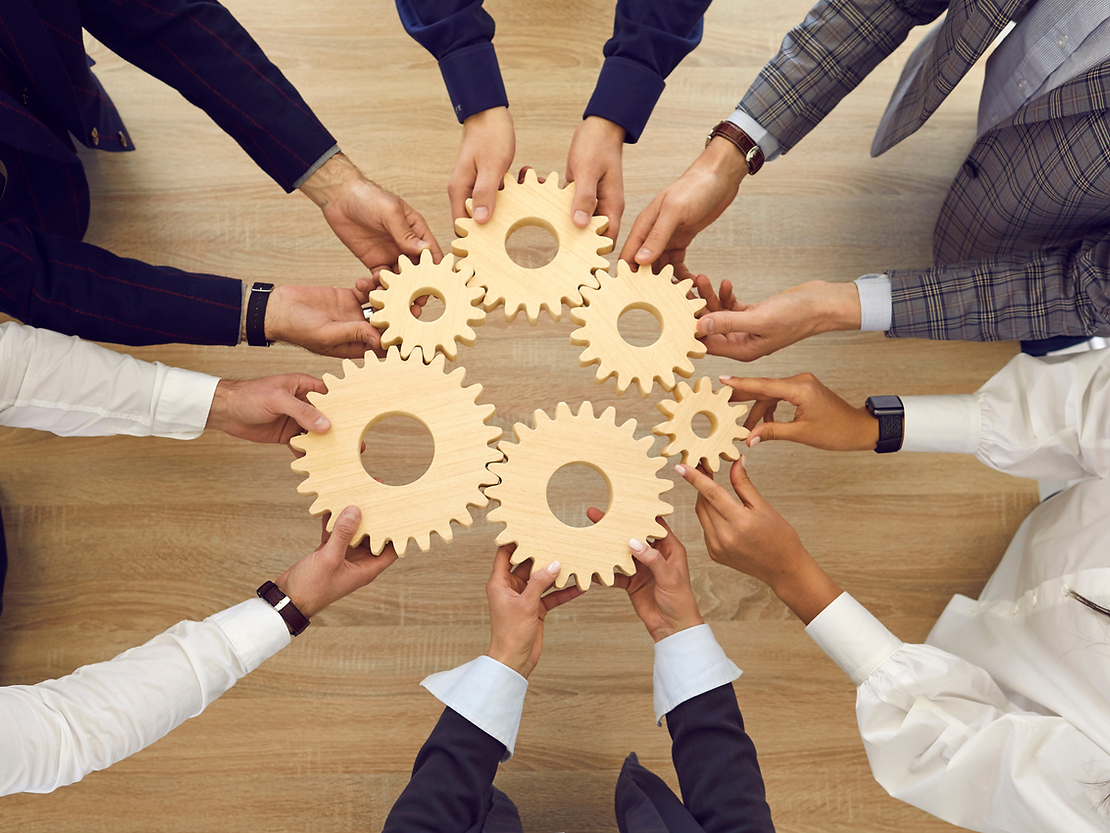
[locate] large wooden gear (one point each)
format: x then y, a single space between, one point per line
724 432
655 293
415 280
482 248
453 481
601 549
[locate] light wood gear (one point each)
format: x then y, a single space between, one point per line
601 549
453 481
654 293
399 290
724 432
482 247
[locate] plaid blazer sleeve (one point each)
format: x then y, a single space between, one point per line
1063 290
825 57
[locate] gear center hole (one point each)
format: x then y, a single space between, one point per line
399 449
703 424
639 326
531 243
433 307
573 489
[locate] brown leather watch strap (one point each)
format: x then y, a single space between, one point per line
752 153
294 619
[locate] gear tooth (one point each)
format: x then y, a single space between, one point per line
556 313
464 270
404 263
447 535
348 368
487 411
424 541
297 442
552 181
437 363
426 257
629 426
378 297
562 411
330 381
667 408
530 177
609 415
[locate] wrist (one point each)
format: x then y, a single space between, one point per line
671 628
841 306
275 309
866 430
510 659
610 132
217 412
725 159
807 589
331 179
287 583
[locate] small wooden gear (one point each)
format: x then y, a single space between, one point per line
453 481
655 293
601 549
724 432
482 247
414 280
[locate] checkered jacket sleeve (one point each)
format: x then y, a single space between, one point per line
825 57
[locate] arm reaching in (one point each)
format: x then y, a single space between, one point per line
487 150
594 162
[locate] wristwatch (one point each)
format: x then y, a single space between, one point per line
890 413
256 314
294 619
752 153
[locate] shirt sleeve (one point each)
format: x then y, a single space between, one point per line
942 736
1043 418
72 388
488 694
58 731
687 664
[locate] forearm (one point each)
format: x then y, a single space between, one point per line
804 587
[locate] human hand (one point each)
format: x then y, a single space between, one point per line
821 418
336 569
267 410
374 224
670 222
750 331
517 608
749 535
485 154
594 162
325 320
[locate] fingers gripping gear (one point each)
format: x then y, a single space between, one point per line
667 301
600 549
394 307
452 482
724 433
482 248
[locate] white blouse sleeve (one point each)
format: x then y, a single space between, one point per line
1042 418
75 388
942 736
58 731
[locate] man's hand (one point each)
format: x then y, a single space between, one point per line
666 227
750 331
517 608
594 162
267 410
377 226
487 150
325 320
336 569
821 418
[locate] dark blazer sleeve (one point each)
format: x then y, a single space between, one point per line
79 289
450 779
716 763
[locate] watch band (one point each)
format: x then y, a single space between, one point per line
294 619
752 153
257 299
891 414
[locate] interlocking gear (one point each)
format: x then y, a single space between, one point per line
597 442
482 247
655 293
415 280
453 481
724 432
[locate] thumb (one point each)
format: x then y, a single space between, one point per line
653 560
308 417
541 581
585 200
341 534
777 431
747 493
404 233
484 196
723 322
658 238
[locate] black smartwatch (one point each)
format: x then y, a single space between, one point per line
890 413
257 299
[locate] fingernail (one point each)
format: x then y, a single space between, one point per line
706 325
481 213
554 568
423 244
581 217
681 470
755 441
743 465
643 254
725 379
350 513
322 424
638 546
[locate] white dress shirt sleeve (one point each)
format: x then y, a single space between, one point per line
941 735
876 306
58 731
688 663
71 387
1044 418
757 133
487 693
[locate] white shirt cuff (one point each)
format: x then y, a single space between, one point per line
255 630
184 404
688 663
942 423
875 304
488 694
757 133
853 638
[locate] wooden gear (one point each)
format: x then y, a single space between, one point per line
482 247
655 293
724 432
399 290
600 549
453 481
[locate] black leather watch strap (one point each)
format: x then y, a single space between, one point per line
294 619
257 299
890 413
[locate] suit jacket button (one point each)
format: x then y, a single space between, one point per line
122 139
972 169
95 136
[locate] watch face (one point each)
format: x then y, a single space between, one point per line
887 404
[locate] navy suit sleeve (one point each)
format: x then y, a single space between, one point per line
650 38
716 763
199 49
450 779
80 289
459 34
